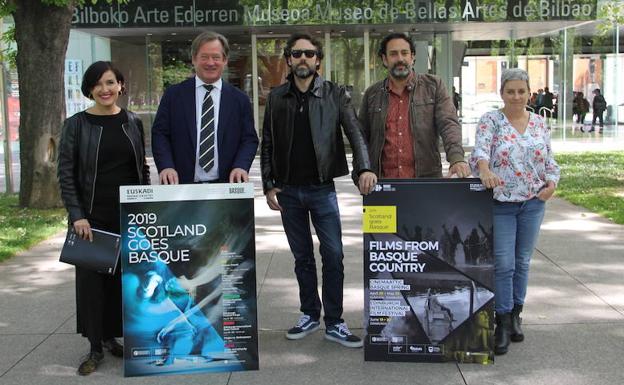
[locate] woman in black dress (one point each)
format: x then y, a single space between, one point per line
101 149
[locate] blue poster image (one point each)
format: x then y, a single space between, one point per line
188 276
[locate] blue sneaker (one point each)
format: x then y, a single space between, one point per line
305 326
340 333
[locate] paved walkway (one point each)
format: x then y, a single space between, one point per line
574 315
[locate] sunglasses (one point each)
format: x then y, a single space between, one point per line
309 53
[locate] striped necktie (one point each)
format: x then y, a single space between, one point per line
206 132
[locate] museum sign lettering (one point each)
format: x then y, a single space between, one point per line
181 13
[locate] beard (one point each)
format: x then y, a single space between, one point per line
400 73
303 71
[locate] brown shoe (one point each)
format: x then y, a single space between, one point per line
114 347
90 363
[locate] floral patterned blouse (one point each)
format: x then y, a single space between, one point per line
523 162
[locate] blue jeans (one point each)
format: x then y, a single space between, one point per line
299 205
516 228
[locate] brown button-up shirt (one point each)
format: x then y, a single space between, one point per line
397 157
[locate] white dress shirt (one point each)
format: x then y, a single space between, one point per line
200 92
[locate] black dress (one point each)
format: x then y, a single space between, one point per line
98 296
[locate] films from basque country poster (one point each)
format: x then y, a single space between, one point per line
189 283
428 271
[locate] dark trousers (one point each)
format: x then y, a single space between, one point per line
318 203
98 296
98 302
597 115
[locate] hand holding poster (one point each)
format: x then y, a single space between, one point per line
189 288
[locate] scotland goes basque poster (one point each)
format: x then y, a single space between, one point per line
189 285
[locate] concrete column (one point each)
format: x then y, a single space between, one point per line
367 78
421 62
513 57
8 155
618 77
444 60
327 58
254 80
565 78
8 158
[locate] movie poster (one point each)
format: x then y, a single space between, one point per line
189 281
428 271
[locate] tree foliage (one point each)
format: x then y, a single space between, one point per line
41 35
611 14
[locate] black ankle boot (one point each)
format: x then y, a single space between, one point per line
516 321
501 334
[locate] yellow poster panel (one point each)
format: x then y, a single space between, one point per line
379 219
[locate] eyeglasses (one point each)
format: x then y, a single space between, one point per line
309 53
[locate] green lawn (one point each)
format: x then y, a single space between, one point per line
594 180
21 228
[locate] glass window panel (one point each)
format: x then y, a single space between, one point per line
347 56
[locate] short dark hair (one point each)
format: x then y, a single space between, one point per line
298 36
207 36
392 36
93 74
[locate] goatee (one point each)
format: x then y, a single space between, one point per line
400 73
303 71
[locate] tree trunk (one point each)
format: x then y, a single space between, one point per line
42 35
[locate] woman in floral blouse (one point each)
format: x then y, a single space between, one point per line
513 156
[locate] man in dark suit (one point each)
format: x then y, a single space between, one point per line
203 130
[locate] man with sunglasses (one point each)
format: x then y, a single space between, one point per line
302 152
404 115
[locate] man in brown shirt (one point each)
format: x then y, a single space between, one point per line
403 116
